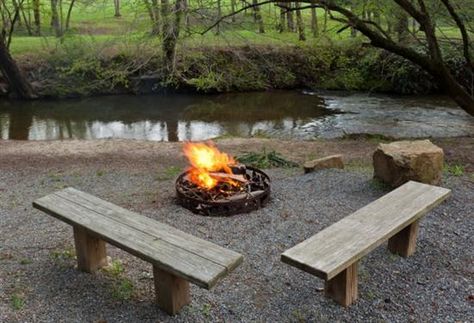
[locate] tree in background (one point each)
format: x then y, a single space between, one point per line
17 82
153 8
117 8
37 17
425 51
429 56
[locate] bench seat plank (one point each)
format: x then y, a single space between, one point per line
206 249
333 249
196 260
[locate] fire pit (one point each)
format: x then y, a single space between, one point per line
216 185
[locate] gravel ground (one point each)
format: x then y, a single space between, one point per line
39 282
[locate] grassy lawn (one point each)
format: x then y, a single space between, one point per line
94 24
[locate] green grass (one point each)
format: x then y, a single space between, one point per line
94 22
17 301
97 22
454 169
67 254
122 289
115 268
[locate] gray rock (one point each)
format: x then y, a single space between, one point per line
401 161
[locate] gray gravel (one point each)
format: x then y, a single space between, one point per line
436 284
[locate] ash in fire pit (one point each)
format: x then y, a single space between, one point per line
216 185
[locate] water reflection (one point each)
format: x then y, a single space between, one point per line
161 118
282 114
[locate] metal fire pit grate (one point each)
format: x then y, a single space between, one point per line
223 201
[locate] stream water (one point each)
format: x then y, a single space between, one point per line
278 114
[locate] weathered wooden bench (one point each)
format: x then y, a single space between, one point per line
177 258
333 253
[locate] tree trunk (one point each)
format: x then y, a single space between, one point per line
171 33
117 8
258 17
314 22
165 16
55 18
37 17
219 15
186 6
155 17
69 12
232 8
26 19
289 18
281 25
325 21
300 23
401 26
61 16
17 9
353 8
458 93
17 82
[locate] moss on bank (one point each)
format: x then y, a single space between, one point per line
83 69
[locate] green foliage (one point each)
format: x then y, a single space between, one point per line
265 160
206 310
454 169
61 255
122 289
115 268
17 301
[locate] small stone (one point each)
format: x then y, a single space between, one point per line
334 161
401 161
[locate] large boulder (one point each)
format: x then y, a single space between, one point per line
401 161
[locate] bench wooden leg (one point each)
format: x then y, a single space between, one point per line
90 251
404 242
172 292
343 287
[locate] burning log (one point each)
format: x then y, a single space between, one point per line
216 185
225 176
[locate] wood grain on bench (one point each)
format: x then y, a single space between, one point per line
332 254
196 260
177 258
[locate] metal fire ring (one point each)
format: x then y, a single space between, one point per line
243 202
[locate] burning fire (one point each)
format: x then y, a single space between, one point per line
206 159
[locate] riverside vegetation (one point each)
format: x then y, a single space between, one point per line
70 48
85 67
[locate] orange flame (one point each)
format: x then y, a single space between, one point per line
205 159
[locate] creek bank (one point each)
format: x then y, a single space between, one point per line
349 65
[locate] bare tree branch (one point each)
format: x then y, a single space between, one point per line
464 34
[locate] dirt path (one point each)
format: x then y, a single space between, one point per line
14 154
